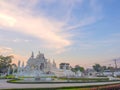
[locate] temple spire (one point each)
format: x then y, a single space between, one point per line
54 64
32 55
53 61
23 64
19 63
39 52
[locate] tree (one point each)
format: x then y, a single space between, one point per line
97 67
77 67
104 67
5 63
111 68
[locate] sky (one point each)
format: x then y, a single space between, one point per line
79 32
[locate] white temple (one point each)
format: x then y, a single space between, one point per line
40 66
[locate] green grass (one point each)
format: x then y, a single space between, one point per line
8 77
63 80
63 88
86 79
13 80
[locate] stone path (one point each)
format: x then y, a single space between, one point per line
5 85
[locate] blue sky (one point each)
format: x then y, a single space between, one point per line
80 32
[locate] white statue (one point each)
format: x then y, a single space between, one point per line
18 70
23 65
49 67
54 64
19 63
13 70
8 71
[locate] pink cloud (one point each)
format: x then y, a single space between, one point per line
50 31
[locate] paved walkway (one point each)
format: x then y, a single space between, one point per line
5 85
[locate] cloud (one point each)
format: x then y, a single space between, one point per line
82 23
5 50
21 40
20 16
18 57
89 17
50 31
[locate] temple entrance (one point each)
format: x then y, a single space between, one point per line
42 66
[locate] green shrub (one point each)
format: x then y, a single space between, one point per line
86 79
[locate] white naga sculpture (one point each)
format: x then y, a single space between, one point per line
40 66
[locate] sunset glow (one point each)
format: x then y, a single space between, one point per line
80 32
